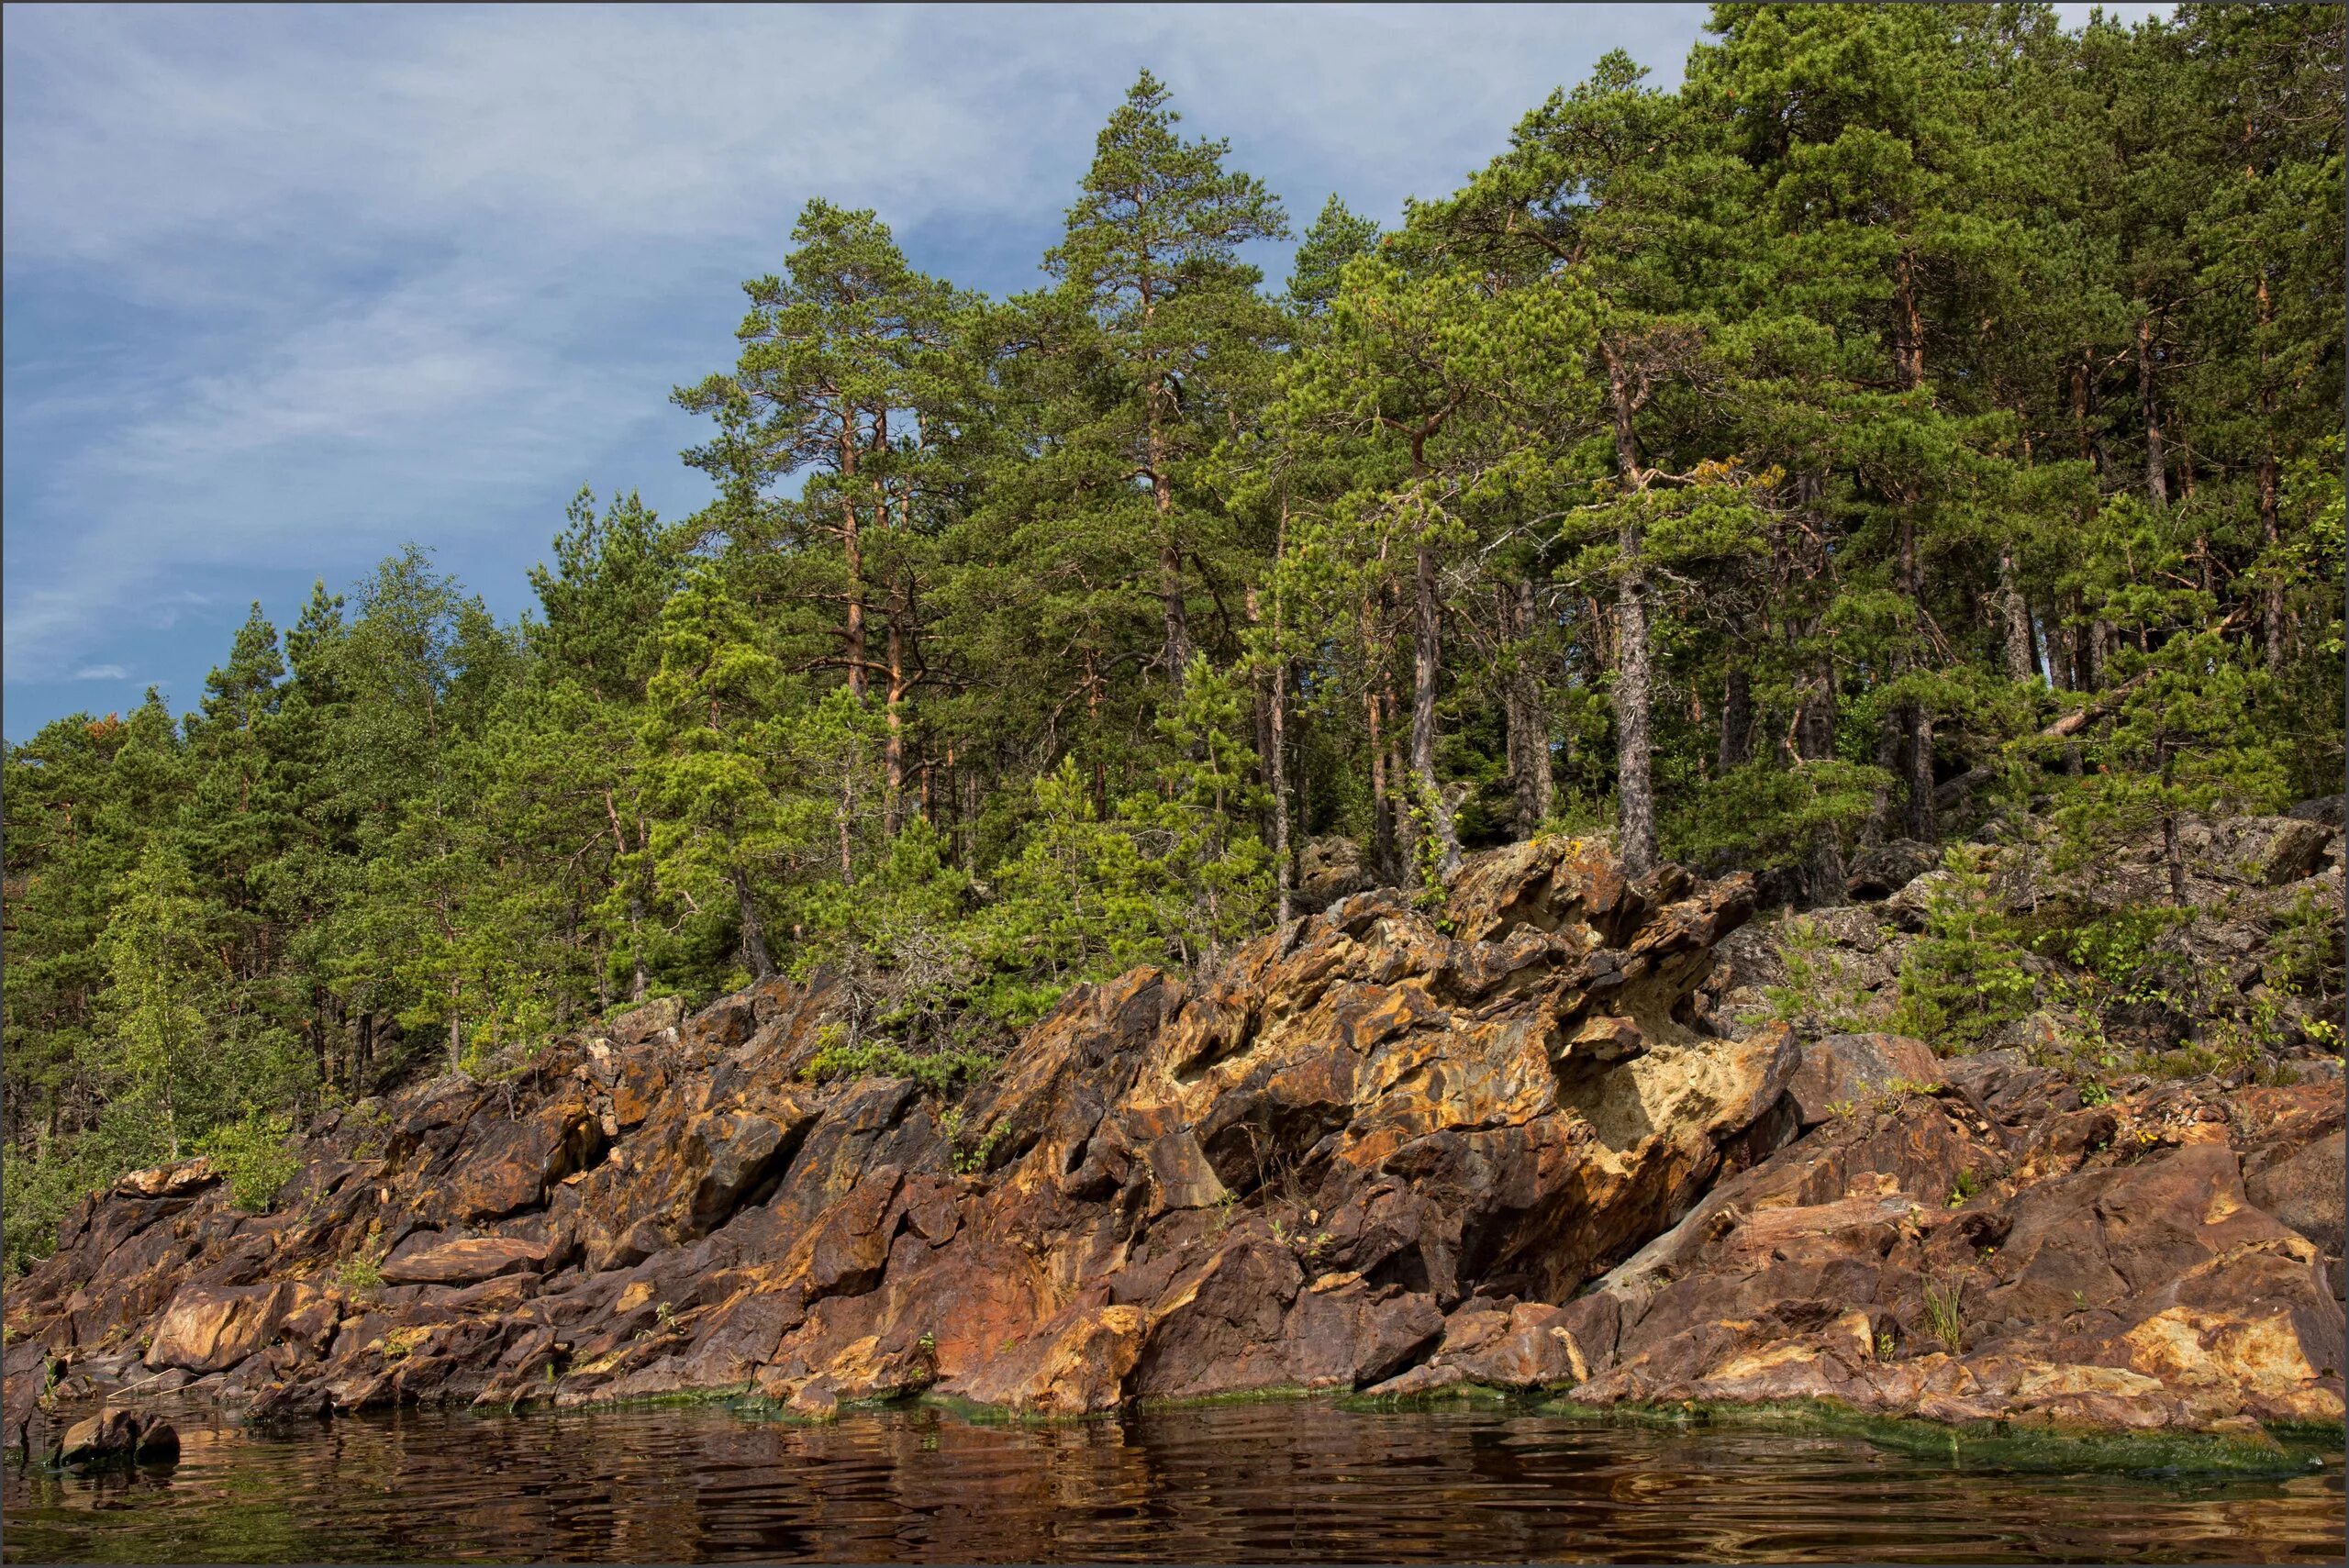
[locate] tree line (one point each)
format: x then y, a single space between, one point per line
1922 423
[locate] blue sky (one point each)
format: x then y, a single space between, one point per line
288 286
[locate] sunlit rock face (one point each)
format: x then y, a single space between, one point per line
1383 1148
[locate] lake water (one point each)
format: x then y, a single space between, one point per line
1292 1481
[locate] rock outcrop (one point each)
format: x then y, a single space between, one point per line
1381 1148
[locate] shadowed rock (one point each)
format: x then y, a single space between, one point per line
1374 1150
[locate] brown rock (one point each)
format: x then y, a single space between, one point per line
2303 1187
467 1260
1370 1150
1848 1070
211 1328
1075 1365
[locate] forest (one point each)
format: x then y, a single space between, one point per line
1922 424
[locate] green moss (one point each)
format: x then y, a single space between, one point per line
1482 1394
1992 1445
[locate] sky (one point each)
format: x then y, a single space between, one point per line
286 287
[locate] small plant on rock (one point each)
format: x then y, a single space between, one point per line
1964 976
253 1156
1945 1312
1820 989
359 1275
969 1161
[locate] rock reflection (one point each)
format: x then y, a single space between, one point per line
1306 1482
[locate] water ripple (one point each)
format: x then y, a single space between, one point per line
1299 1482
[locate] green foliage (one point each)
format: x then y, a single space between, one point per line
1920 423
936 1071
1766 816
1822 992
1945 1313
2304 953
1964 976
255 1158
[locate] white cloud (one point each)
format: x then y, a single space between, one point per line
2072 18
102 672
308 281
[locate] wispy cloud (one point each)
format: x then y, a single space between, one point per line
289 286
102 672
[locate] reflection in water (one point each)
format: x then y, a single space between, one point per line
1255 1482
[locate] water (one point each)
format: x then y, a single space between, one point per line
1255 1482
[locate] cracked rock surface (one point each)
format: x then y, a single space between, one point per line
1380 1149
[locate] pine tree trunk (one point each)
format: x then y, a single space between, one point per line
2271 596
1277 767
1304 775
2018 619
1427 656
2156 469
1266 683
636 945
1382 802
1815 741
892 809
1635 785
1529 724
852 559
1170 562
456 1030
755 939
1878 826
1633 704
1921 825
1737 720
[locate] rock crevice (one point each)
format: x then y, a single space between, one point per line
1378 1150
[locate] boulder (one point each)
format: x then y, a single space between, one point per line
2325 810
2108 1269
212 1328
648 1020
428 1260
1073 1365
2303 1187
1332 868
116 1436
1888 868
1842 1071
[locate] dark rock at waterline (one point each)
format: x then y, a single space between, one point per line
118 1436
1374 1150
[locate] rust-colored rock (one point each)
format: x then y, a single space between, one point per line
211 1328
468 1260
1522 1145
1840 1071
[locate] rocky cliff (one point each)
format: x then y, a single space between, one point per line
1516 1142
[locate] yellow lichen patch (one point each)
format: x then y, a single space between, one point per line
2051 1382
2222 1205
1575 1361
400 1343
1755 1363
601 1364
634 1295
1854 1326
2182 1345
